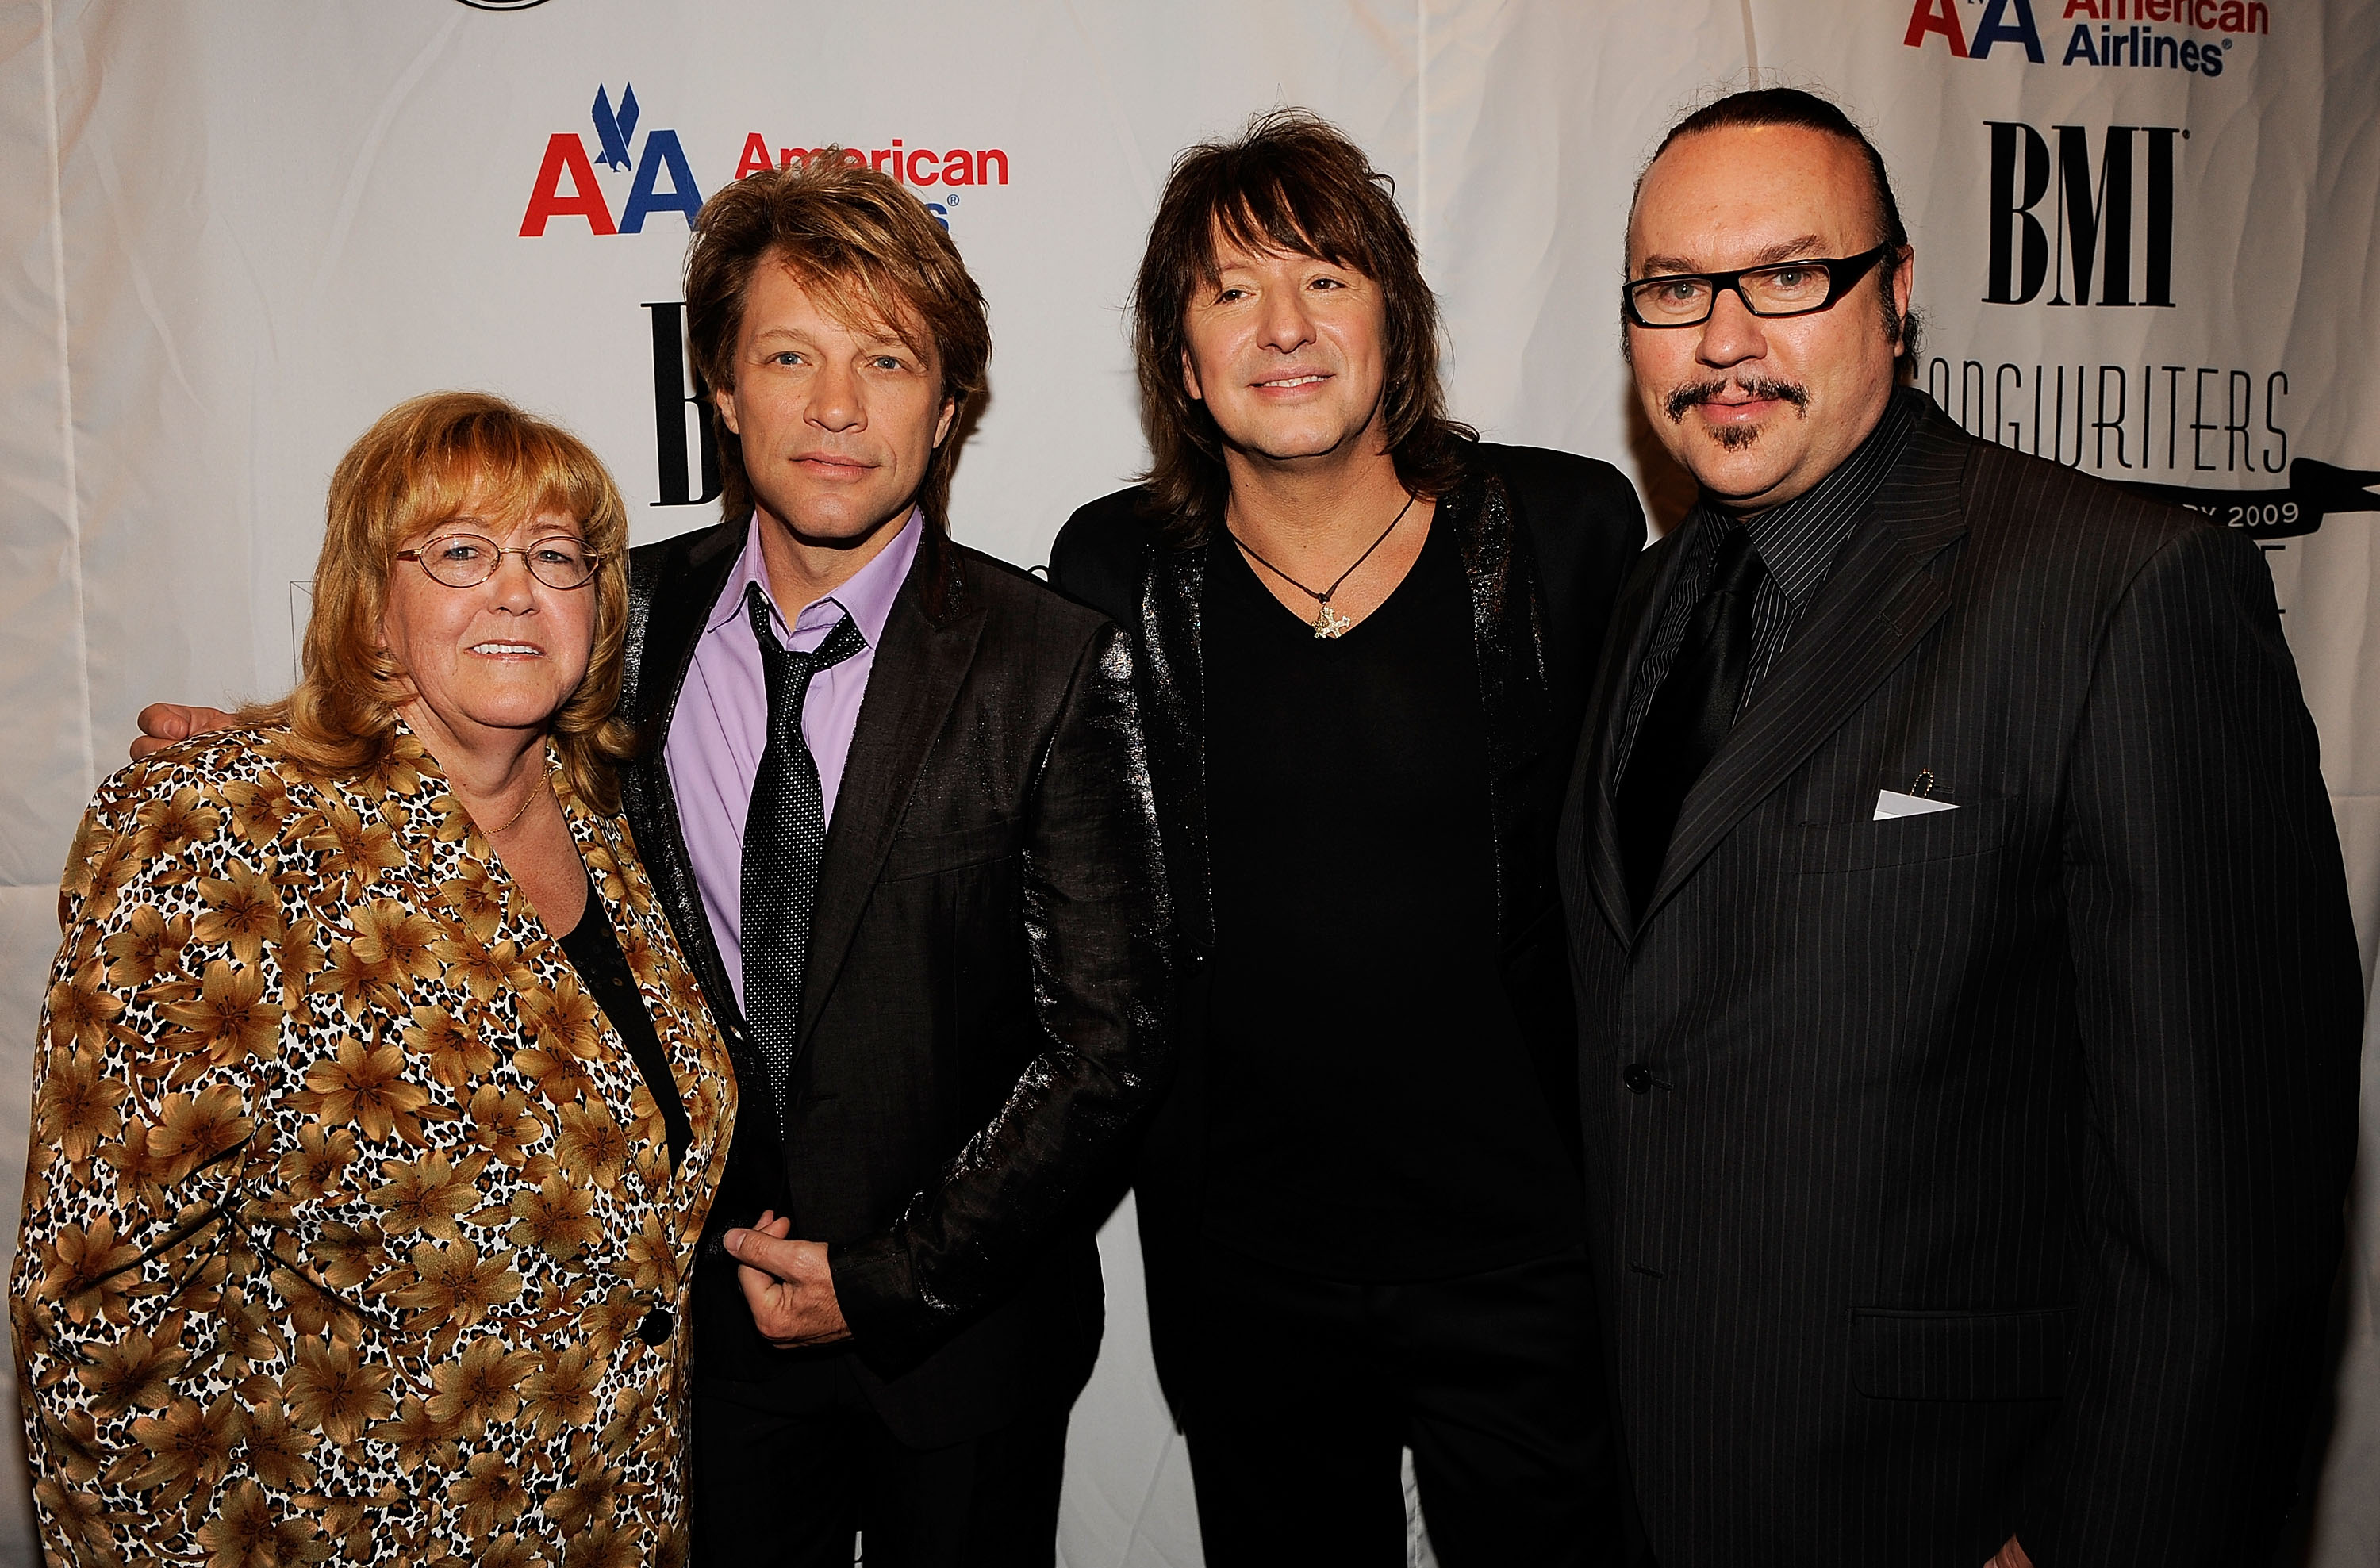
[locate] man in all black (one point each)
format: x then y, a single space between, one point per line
1364 639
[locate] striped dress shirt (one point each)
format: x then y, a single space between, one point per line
1797 543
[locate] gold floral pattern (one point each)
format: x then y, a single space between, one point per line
347 1205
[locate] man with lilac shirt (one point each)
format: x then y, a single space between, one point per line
719 726
907 843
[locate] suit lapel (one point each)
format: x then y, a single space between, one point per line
665 620
1624 649
911 686
1508 640
1174 659
1876 603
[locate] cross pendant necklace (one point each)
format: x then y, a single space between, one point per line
1329 624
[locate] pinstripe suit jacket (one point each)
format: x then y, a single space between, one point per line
1976 1173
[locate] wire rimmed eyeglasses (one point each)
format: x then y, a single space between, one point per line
1784 288
466 561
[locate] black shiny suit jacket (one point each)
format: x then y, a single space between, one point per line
1546 541
1978 1173
984 1003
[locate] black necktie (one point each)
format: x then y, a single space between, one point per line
784 841
1691 714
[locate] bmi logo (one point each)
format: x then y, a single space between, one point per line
568 186
2084 233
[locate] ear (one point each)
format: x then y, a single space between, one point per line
1190 378
942 426
723 400
1904 283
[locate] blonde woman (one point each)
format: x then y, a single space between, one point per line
376 1113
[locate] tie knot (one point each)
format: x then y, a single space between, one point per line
1739 566
788 673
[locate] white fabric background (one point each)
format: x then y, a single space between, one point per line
231 234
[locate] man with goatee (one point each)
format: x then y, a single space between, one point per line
1968 1005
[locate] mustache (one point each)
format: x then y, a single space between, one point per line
1698 392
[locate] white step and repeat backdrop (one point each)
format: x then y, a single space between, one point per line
232 232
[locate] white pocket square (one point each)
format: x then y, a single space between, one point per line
1892 803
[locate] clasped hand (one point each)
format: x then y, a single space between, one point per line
787 1283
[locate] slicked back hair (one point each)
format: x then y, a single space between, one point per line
1292 183
1793 107
859 241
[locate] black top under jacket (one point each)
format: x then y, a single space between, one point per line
1355 981
593 949
1545 540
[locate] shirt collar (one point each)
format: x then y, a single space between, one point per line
867 596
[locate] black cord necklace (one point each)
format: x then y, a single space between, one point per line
1328 623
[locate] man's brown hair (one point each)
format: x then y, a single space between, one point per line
868 248
1290 183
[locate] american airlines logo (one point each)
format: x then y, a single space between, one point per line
2101 33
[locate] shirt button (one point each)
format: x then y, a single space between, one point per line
656 1326
1638 1078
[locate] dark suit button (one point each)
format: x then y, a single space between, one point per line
656 1326
1638 1078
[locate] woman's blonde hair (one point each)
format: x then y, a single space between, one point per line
420 464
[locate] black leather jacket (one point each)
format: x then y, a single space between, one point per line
985 1009
1547 539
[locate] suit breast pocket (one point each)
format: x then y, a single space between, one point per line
1961 1355
961 849
1826 847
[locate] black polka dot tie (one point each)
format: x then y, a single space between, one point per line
784 841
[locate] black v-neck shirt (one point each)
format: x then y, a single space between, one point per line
1372 1111
593 949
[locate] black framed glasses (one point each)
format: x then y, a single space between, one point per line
1785 288
466 561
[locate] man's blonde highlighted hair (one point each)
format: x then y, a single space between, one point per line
869 249
420 466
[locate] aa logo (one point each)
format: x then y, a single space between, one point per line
567 186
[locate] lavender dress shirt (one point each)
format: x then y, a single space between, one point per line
721 723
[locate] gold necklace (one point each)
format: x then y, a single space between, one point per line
1328 623
513 820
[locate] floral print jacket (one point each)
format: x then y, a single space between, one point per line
350 1228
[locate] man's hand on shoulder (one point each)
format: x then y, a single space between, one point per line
162 724
788 1283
